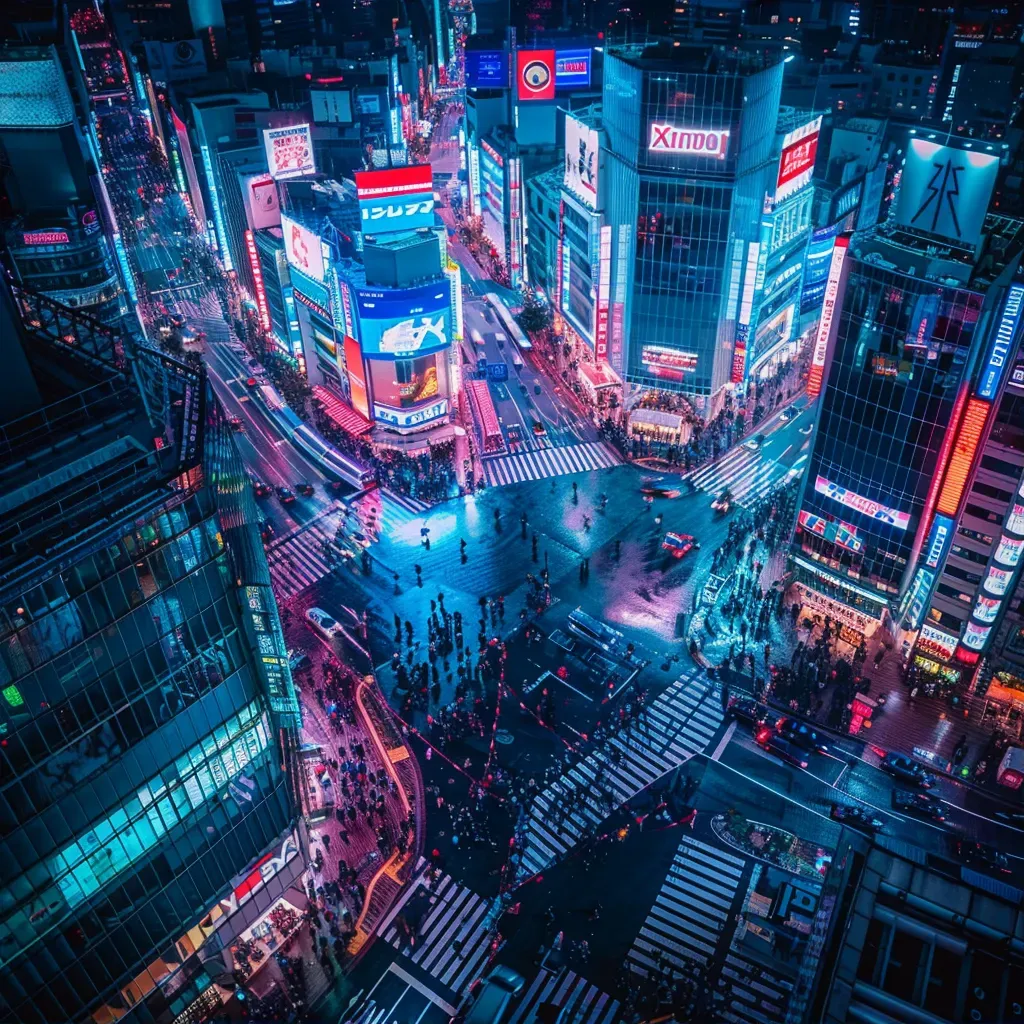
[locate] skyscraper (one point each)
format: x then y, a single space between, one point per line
690 133
910 312
146 706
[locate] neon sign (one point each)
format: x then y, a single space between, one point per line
962 460
828 312
1002 344
666 138
257 274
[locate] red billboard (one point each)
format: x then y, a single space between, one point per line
396 199
796 162
535 75
356 376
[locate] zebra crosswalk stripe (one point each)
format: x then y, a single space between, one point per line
547 462
453 940
681 722
758 993
298 563
692 909
575 998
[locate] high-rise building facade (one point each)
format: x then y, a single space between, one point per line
690 136
53 237
910 312
146 705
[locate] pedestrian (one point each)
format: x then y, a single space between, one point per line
327 842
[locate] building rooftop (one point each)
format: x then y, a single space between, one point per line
33 93
696 58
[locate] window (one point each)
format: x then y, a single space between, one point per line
983 513
988 491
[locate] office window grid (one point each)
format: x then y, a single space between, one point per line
901 351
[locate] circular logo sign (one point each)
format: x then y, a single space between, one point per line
184 52
536 76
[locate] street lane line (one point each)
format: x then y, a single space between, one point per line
724 742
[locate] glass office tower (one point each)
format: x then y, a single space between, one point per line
690 133
147 714
897 361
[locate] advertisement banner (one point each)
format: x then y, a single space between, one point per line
289 151
400 324
175 62
257 275
836 532
669 363
396 199
486 69
975 636
939 538
55 237
302 248
356 377
1002 348
796 163
411 417
945 191
535 75
828 324
572 69
667 138
581 157
936 641
261 201
604 287
866 506
331 106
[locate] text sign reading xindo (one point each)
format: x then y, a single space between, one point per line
667 138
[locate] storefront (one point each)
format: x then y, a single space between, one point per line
659 425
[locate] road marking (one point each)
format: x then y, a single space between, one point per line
423 990
724 742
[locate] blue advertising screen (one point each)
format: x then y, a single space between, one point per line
572 69
486 69
398 324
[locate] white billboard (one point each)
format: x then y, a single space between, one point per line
263 208
289 151
302 248
946 191
582 150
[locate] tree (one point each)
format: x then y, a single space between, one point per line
535 316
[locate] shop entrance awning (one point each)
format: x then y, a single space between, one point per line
340 413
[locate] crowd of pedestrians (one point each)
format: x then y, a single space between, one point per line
428 476
686 995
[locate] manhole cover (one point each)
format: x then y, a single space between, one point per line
504 737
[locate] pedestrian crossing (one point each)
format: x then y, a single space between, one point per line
299 561
691 910
452 940
757 994
414 506
574 999
681 722
574 458
747 475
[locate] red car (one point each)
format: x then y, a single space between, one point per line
679 544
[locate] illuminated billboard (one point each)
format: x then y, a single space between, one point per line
865 506
939 538
572 69
796 163
936 642
1002 348
396 199
668 363
399 324
582 150
828 324
946 191
411 417
261 200
667 138
55 237
975 636
289 151
960 464
836 532
302 248
486 69
535 75
356 377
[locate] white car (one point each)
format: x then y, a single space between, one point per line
322 623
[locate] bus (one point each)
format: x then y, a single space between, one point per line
475 336
516 333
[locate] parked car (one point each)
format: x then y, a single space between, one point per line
285 494
906 769
322 623
982 856
746 709
494 997
801 734
859 818
306 490
775 744
922 805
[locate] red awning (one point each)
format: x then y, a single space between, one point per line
479 395
341 413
